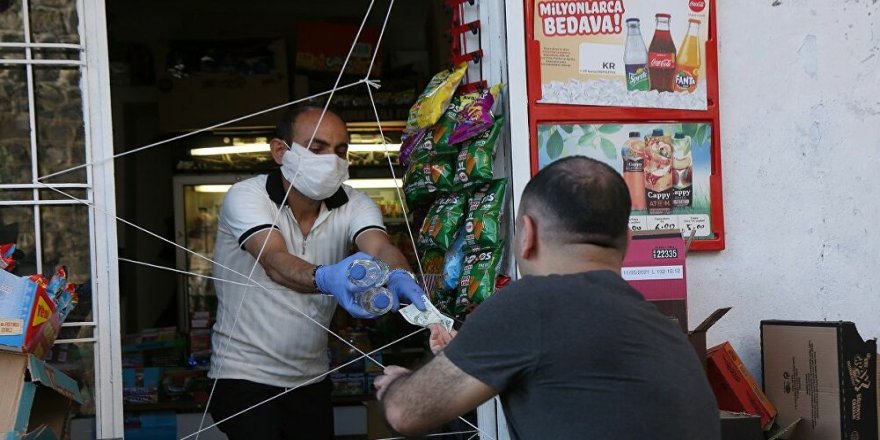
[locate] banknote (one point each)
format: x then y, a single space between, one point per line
423 319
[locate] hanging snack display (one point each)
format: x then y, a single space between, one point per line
443 220
433 101
474 162
485 215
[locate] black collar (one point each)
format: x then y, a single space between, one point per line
275 188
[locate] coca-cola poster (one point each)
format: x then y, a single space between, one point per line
623 53
666 166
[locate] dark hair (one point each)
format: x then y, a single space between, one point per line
284 127
579 200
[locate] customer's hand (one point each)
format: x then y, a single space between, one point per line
391 373
403 286
440 338
333 280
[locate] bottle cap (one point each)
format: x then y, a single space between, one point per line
632 20
381 301
357 272
657 132
679 136
634 134
663 16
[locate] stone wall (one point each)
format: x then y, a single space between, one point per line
60 138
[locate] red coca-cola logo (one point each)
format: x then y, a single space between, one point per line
697 5
662 63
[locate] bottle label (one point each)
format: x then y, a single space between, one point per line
659 202
686 79
636 77
682 197
661 60
633 165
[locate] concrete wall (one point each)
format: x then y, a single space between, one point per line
800 109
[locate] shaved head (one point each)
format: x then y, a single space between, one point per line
578 200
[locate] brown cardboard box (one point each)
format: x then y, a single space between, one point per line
734 387
824 373
204 99
697 337
35 398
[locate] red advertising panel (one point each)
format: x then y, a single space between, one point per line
633 83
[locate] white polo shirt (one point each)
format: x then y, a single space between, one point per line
272 343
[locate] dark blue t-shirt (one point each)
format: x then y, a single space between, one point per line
584 356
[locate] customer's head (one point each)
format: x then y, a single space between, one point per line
574 207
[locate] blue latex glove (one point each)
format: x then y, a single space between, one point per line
333 280
403 286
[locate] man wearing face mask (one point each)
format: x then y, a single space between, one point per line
262 344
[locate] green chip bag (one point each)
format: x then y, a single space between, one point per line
474 162
446 125
427 175
444 218
478 274
485 214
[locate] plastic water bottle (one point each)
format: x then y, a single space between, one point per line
368 273
376 301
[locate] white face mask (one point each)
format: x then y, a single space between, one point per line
316 176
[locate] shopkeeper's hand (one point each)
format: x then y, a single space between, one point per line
403 286
333 280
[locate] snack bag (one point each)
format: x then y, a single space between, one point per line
478 274
482 225
433 101
476 117
432 266
446 125
427 175
408 144
443 220
7 262
474 161
453 260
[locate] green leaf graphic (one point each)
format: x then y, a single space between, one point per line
586 140
609 149
554 145
567 128
610 128
700 136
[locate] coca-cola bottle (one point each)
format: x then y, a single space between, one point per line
635 57
661 56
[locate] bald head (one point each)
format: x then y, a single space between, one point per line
578 200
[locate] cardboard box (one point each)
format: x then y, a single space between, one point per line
183 101
655 266
739 426
734 387
823 372
697 337
328 53
29 321
35 398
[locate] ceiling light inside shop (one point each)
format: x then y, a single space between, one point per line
354 183
232 149
260 148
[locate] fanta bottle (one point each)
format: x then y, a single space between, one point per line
687 63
